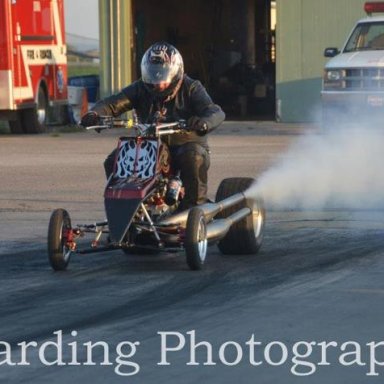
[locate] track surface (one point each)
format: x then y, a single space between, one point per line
318 277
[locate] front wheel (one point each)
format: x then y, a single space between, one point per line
196 239
59 228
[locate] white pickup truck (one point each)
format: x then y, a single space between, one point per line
353 82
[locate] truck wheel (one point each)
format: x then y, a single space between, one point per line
196 239
245 236
34 119
16 126
58 252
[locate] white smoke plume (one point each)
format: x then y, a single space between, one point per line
341 169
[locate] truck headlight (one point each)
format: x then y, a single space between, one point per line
333 75
333 78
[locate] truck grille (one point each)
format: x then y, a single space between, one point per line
364 79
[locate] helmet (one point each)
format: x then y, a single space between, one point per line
162 63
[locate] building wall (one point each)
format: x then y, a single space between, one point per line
304 29
116 31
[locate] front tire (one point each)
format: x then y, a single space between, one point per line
59 253
246 236
196 242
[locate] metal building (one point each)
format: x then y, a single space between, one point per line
252 69
304 29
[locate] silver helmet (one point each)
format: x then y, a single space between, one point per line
162 63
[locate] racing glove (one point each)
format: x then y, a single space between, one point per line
198 125
89 119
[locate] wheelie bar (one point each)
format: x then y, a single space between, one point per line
97 249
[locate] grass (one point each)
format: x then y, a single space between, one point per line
82 70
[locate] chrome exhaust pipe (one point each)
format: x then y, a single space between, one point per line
210 210
217 229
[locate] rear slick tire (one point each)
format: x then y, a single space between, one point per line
58 252
244 237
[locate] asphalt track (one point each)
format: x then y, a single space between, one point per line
317 278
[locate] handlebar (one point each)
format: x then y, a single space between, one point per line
141 129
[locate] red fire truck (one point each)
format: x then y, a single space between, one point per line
33 62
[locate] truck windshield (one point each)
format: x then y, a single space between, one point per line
366 36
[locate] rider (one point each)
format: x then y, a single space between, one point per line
165 88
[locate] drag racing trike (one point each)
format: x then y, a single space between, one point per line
142 206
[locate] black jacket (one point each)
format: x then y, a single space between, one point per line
191 99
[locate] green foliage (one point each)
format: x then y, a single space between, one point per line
81 70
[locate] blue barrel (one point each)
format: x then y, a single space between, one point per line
90 83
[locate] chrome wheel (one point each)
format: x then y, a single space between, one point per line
41 107
196 243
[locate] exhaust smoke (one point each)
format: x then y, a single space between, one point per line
339 169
